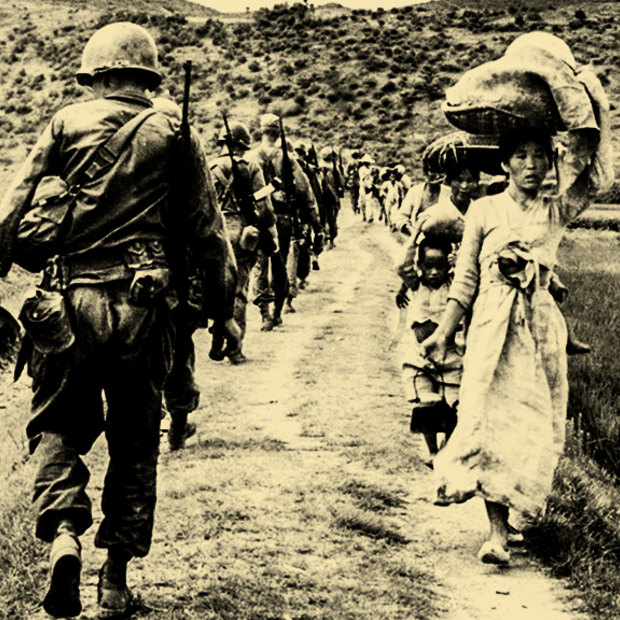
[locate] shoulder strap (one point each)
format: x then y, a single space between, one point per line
101 160
106 154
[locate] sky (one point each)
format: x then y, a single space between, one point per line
229 6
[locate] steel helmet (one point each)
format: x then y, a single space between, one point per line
121 45
239 133
301 148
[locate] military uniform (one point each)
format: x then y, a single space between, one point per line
289 219
121 349
251 181
332 189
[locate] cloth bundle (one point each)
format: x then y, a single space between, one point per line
533 85
480 152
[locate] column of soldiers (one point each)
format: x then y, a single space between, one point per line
140 241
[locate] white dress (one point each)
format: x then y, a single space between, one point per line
512 414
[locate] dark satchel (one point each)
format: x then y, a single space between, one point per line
43 229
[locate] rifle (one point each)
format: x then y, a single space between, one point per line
287 174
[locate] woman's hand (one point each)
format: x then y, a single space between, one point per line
434 348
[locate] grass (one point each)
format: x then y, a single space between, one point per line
579 534
20 554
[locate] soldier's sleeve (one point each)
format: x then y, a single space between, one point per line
17 199
310 210
207 236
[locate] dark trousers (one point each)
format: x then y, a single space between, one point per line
124 352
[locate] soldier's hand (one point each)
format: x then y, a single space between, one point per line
319 239
402 299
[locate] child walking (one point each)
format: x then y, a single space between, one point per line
431 389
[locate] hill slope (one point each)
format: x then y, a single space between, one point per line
357 77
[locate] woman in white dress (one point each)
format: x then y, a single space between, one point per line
514 388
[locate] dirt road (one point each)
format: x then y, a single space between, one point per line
303 494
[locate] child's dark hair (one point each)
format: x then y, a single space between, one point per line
510 141
434 243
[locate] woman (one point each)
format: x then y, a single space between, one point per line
514 388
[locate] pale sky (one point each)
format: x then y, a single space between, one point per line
230 6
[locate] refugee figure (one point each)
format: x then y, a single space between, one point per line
445 218
432 389
390 195
108 277
421 196
514 389
364 173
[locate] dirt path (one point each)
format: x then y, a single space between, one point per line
303 495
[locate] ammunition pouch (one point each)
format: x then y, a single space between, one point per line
151 274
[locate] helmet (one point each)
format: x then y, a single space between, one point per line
269 122
239 133
326 153
367 159
301 148
121 45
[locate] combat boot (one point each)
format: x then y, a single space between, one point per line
267 324
289 305
63 596
180 430
113 595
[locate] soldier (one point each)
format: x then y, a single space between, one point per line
332 192
248 222
292 206
353 180
111 273
306 156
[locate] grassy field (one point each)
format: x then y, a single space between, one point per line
579 534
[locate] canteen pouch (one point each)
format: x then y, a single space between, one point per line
249 238
39 230
45 318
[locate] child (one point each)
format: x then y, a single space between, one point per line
433 390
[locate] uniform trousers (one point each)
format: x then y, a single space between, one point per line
123 352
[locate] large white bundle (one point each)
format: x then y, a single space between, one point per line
533 85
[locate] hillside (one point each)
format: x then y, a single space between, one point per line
357 77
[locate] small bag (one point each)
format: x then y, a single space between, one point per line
41 229
44 227
437 417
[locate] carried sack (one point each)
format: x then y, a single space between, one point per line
528 87
43 229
